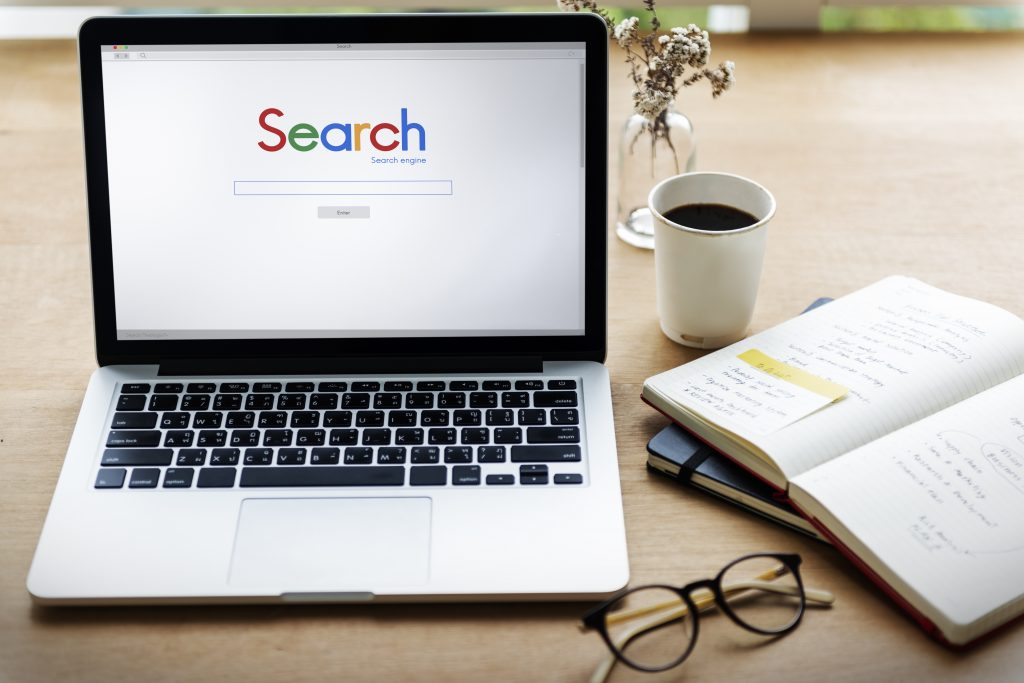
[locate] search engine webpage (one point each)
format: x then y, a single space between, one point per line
345 191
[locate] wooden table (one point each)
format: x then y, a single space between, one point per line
887 154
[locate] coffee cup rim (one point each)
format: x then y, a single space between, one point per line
686 228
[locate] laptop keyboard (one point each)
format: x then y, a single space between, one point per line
216 435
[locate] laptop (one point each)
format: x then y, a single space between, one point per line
349 278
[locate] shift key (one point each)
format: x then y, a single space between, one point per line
559 453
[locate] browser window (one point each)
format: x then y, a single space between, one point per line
346 190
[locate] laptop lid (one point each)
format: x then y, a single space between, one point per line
347 187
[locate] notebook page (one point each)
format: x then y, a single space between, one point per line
939 503
903 350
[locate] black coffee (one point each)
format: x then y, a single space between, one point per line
717 217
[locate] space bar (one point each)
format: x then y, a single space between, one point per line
344 475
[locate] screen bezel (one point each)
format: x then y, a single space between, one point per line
383 28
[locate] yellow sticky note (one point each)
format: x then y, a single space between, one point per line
788 373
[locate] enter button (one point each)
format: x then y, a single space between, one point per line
343 211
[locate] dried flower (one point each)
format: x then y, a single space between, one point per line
659 63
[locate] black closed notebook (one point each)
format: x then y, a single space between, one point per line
677 454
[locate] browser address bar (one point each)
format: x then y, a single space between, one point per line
342 187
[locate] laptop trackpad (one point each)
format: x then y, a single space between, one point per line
331 544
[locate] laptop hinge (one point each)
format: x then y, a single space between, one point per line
336 366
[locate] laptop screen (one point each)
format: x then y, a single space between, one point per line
346 190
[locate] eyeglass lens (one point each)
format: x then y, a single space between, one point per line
651 627
763 593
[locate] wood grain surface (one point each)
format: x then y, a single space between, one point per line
887 154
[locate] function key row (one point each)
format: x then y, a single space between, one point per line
308 387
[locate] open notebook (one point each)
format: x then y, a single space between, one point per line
894 419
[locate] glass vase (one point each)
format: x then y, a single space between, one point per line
650 151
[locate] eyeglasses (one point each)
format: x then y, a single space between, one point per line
654 628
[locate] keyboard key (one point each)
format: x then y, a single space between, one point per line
387 400
195 402
515 399
336 387
490 454
409 436
440 435
191 457
377 437
338 418
136 456
212 437
532 416
259 401
291 456
391 455
355 401
258 456
463 385
466 418
245 437
299 386
162 402
325 456
414 400
277 437
227 402
565 416
402 418
397 386
175 420
266 387
466 475
561 384
434 418
178 478
135 388
475 435
567 478
529 384
365 386
430 385
144 478
216 478
458 454
208 420
344 437
110 479
533 474
201 388
500 416
273 418
305 418
554 399
497 385
131 402
179 438
310 437
508 435
169 388
133 438
425 455
133 421
291 401
545 454
358 455
233 388
500 479
449 399
224 456
387 475
323 401
479 399
436 475
553 435
370 418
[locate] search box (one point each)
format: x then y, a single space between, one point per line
343 187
